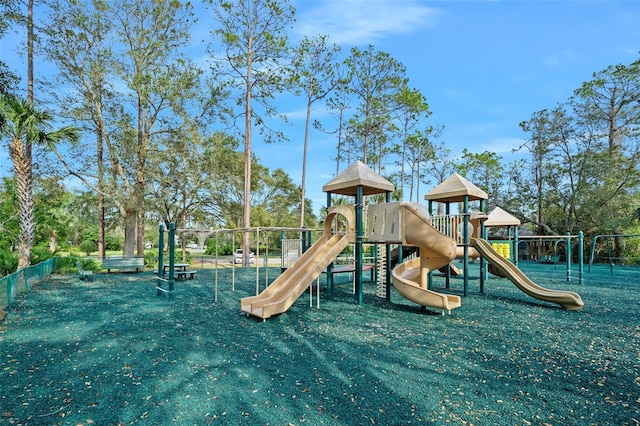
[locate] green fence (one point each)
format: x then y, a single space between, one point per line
22 280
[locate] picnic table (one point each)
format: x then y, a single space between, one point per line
180 271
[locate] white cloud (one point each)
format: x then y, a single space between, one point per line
318 110
298 114
560 59
502 145
362 22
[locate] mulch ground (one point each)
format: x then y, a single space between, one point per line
111 351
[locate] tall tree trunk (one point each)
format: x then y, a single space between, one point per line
403 157
183 236
140 230
25 164
139 191
246 212
100 158
53 241
139 186
102 246
304 164
340 142
130 221
539 185
418 181
30 38
24 190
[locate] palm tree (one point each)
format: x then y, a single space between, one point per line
24 126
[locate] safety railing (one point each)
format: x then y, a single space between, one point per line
378 217
450 225
21 281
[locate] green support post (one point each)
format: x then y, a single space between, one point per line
580 256
172 256
388 263
162 229
303 236
330 267
283 236
358 265
609 254
447 212
430 273
465 238
483 261
515 245
568 244
484 273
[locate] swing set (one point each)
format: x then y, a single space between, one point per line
557 240
607 238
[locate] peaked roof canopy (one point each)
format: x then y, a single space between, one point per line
499 217
358 174
454 189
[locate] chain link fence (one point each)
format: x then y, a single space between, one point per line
21 281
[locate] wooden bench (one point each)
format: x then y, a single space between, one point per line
110 263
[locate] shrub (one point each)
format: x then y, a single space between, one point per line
40 253
67 265
112 243
150 259
88 264
223 249
187 257
8 262
88 247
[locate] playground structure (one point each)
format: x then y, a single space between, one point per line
398 223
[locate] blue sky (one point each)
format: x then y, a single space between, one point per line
484 66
